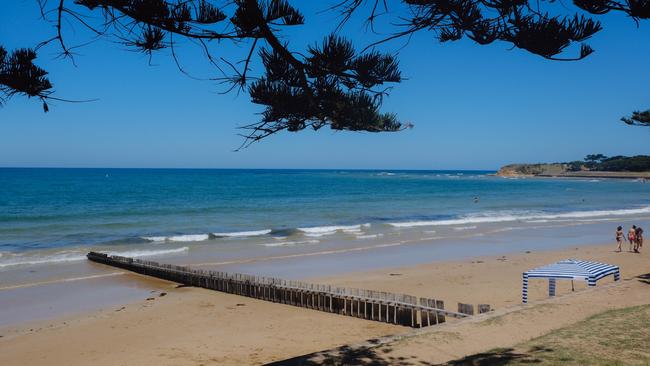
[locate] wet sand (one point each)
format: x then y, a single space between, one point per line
190 326
77 282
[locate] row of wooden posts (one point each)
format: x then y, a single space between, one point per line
386 307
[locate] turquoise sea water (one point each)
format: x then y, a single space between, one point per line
56 215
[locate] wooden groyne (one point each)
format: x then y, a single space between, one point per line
386 307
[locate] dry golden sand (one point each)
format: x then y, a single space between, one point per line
187 326
192 326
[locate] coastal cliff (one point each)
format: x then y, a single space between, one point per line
637 167
531 170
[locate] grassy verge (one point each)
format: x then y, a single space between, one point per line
616 337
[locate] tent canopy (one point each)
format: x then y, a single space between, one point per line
571 269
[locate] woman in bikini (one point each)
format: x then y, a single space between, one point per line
620 237
631 236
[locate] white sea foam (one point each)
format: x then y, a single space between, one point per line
184 238
318 231
178 238
147 253
154 238
318 235
506 217
239 234
461 228
594 220
47 259
290 243
370 236
75 256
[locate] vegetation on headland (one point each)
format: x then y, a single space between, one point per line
592 164
619 163
615 337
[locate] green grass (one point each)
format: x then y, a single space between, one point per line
613 338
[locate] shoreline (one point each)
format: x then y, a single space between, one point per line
62 288
598 174
585 175
214 327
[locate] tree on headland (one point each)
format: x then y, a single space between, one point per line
330 83
595 158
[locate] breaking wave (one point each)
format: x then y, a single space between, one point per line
240 234
178 238
525 216
204 237
318 231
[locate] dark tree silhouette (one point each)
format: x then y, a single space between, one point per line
595 158
19 75
330 83
638 118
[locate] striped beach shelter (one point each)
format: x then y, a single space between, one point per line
569 269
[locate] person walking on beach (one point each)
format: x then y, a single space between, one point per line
631 236
620 237
638 235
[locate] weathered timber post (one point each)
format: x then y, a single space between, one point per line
484 308
466 308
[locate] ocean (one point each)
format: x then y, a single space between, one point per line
50 216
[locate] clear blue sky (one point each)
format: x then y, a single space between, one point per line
474 107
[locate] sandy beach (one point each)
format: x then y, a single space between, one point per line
190 326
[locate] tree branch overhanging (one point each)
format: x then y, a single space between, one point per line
331 83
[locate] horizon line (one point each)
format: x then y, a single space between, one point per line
213 168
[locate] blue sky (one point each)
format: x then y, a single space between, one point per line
474 107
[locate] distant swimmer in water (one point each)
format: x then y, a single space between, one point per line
476 199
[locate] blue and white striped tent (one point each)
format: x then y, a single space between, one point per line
570 269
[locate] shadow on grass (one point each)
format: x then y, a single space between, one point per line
499 357
644 278
380 356
352 356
